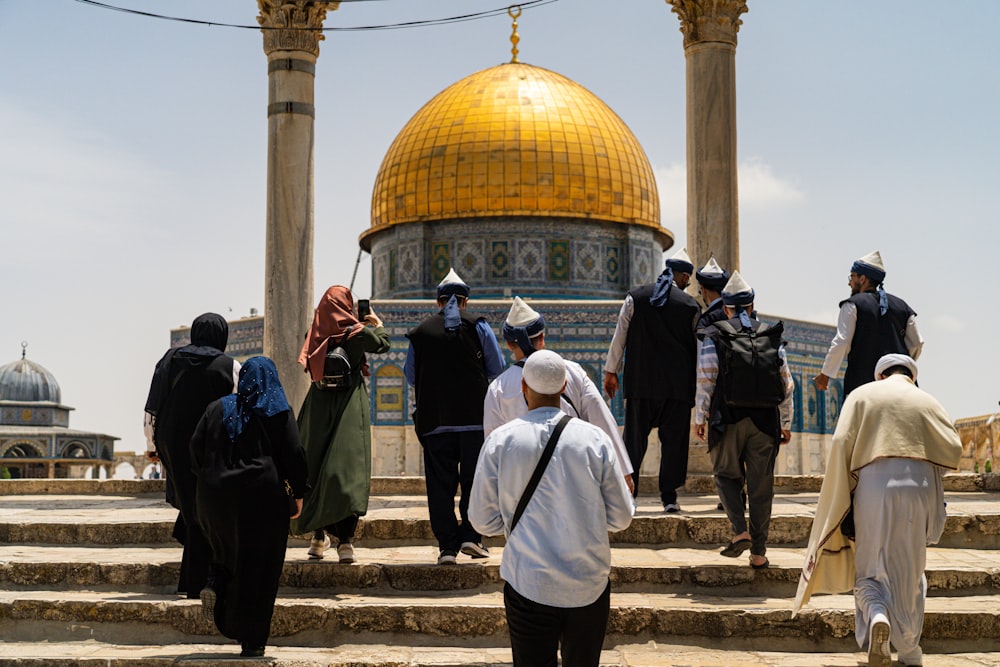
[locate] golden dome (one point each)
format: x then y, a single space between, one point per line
515 140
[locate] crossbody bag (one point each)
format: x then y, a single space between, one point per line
536 476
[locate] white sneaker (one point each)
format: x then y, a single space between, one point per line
447 557
318 547
345 552
475 549
207 596
879 654
671 508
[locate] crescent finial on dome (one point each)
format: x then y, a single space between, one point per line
514 11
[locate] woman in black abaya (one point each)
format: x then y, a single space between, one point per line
184 382
243 452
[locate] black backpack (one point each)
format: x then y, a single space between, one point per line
337 372
749 365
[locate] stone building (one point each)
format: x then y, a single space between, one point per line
35 438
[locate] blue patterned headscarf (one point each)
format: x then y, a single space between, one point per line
258 391
661 291
452 314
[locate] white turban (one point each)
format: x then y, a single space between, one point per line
890 360
545 372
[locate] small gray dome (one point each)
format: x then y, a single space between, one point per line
24 380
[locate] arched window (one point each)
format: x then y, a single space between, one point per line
76 450
389 396
22 450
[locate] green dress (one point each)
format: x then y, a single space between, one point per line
335 429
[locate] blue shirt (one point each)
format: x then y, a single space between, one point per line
559 554
492 361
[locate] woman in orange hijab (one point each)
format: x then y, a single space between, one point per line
334 422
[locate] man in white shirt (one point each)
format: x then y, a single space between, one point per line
871 323
557 559
524 333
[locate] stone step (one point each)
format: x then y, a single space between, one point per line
414 485
46 654
950 572
973 521
320 618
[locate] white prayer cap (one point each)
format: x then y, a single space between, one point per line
680 262
737 292
521 314
712 275
545 372
890 360
870 265
452 284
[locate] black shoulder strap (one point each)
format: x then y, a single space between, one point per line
536 476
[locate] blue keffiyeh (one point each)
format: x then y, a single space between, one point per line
662 288
452 314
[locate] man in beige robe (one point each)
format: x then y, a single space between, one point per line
892 444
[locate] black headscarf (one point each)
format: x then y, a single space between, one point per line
209 335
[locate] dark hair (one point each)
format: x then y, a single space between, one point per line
900 370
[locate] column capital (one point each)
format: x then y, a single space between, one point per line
293 25
709 20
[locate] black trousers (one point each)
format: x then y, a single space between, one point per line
343 530
672 421
538 630
449 463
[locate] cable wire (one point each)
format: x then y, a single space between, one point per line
528 4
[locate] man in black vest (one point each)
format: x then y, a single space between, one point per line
872 323
656 336
451 359
743 441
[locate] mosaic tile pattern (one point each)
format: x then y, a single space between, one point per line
408 272
531 260
587 265
469 259
559 261
499 260
540 258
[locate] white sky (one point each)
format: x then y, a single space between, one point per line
132 162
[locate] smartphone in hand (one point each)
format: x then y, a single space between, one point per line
364 309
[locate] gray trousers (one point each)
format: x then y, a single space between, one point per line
746 455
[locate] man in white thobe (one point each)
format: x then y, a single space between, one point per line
891 447
557 559
524 333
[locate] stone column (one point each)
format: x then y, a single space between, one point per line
292 33
709 28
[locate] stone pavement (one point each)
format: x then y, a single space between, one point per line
87 578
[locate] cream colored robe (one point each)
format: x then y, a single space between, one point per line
890 418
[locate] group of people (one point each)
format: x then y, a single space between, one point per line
236 461
243 471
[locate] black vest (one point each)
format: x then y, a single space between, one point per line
767 420
875 335
661 347
450 374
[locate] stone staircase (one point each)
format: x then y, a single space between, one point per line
87 574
